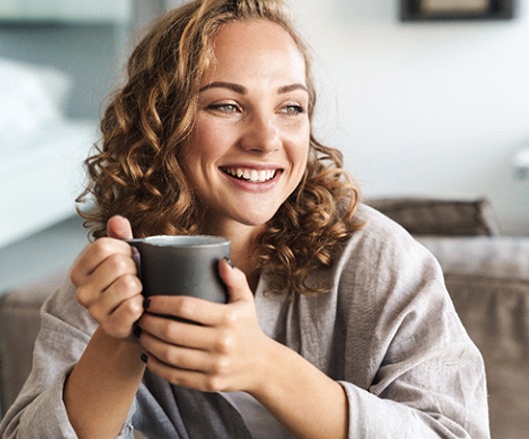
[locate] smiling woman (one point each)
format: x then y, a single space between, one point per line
337 323
217 120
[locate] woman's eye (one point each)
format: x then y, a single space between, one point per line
293 110
224 108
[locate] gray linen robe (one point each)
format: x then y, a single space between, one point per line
386 330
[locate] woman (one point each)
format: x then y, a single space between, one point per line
338 323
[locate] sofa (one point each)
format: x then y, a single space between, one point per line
487 275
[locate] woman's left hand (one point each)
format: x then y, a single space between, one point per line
220 353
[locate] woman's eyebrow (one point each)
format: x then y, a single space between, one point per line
229 85
243 90
292 87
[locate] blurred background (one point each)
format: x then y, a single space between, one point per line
419 108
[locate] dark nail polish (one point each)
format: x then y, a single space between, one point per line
228 260
137 331
144 358
146 303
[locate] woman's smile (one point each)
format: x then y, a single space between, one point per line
251 174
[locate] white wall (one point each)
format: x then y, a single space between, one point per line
435 109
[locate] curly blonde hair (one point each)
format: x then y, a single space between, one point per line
134 171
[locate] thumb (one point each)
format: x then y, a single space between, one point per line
236 282
119 227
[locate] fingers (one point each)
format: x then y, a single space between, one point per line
192 378
176 332
112 295
235 280
94 255
202 312
115 297
105 276
216 354
116 268
174 355
119 323
106 267
119 228
202 362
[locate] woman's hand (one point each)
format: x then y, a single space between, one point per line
100 389
106 279
222 352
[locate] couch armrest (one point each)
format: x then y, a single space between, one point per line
488 280
19 326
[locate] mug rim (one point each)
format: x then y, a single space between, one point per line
185 241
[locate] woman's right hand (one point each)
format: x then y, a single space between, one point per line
105 276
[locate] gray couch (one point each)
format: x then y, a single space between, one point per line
488 280
486 274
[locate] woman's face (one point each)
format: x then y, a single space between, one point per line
249 148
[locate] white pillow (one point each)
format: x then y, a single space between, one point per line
31 98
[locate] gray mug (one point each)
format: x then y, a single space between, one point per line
182 265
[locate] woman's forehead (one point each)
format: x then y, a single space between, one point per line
255 47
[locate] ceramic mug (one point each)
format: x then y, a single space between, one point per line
182 265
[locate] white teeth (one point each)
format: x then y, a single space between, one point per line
252 175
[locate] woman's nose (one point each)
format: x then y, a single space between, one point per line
261 135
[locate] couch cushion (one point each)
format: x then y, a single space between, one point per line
488 280
496 316
427 216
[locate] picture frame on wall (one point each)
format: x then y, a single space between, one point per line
424 10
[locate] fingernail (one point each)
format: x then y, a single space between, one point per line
146 303
135 254
137 331
144 358
228 260
136 258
